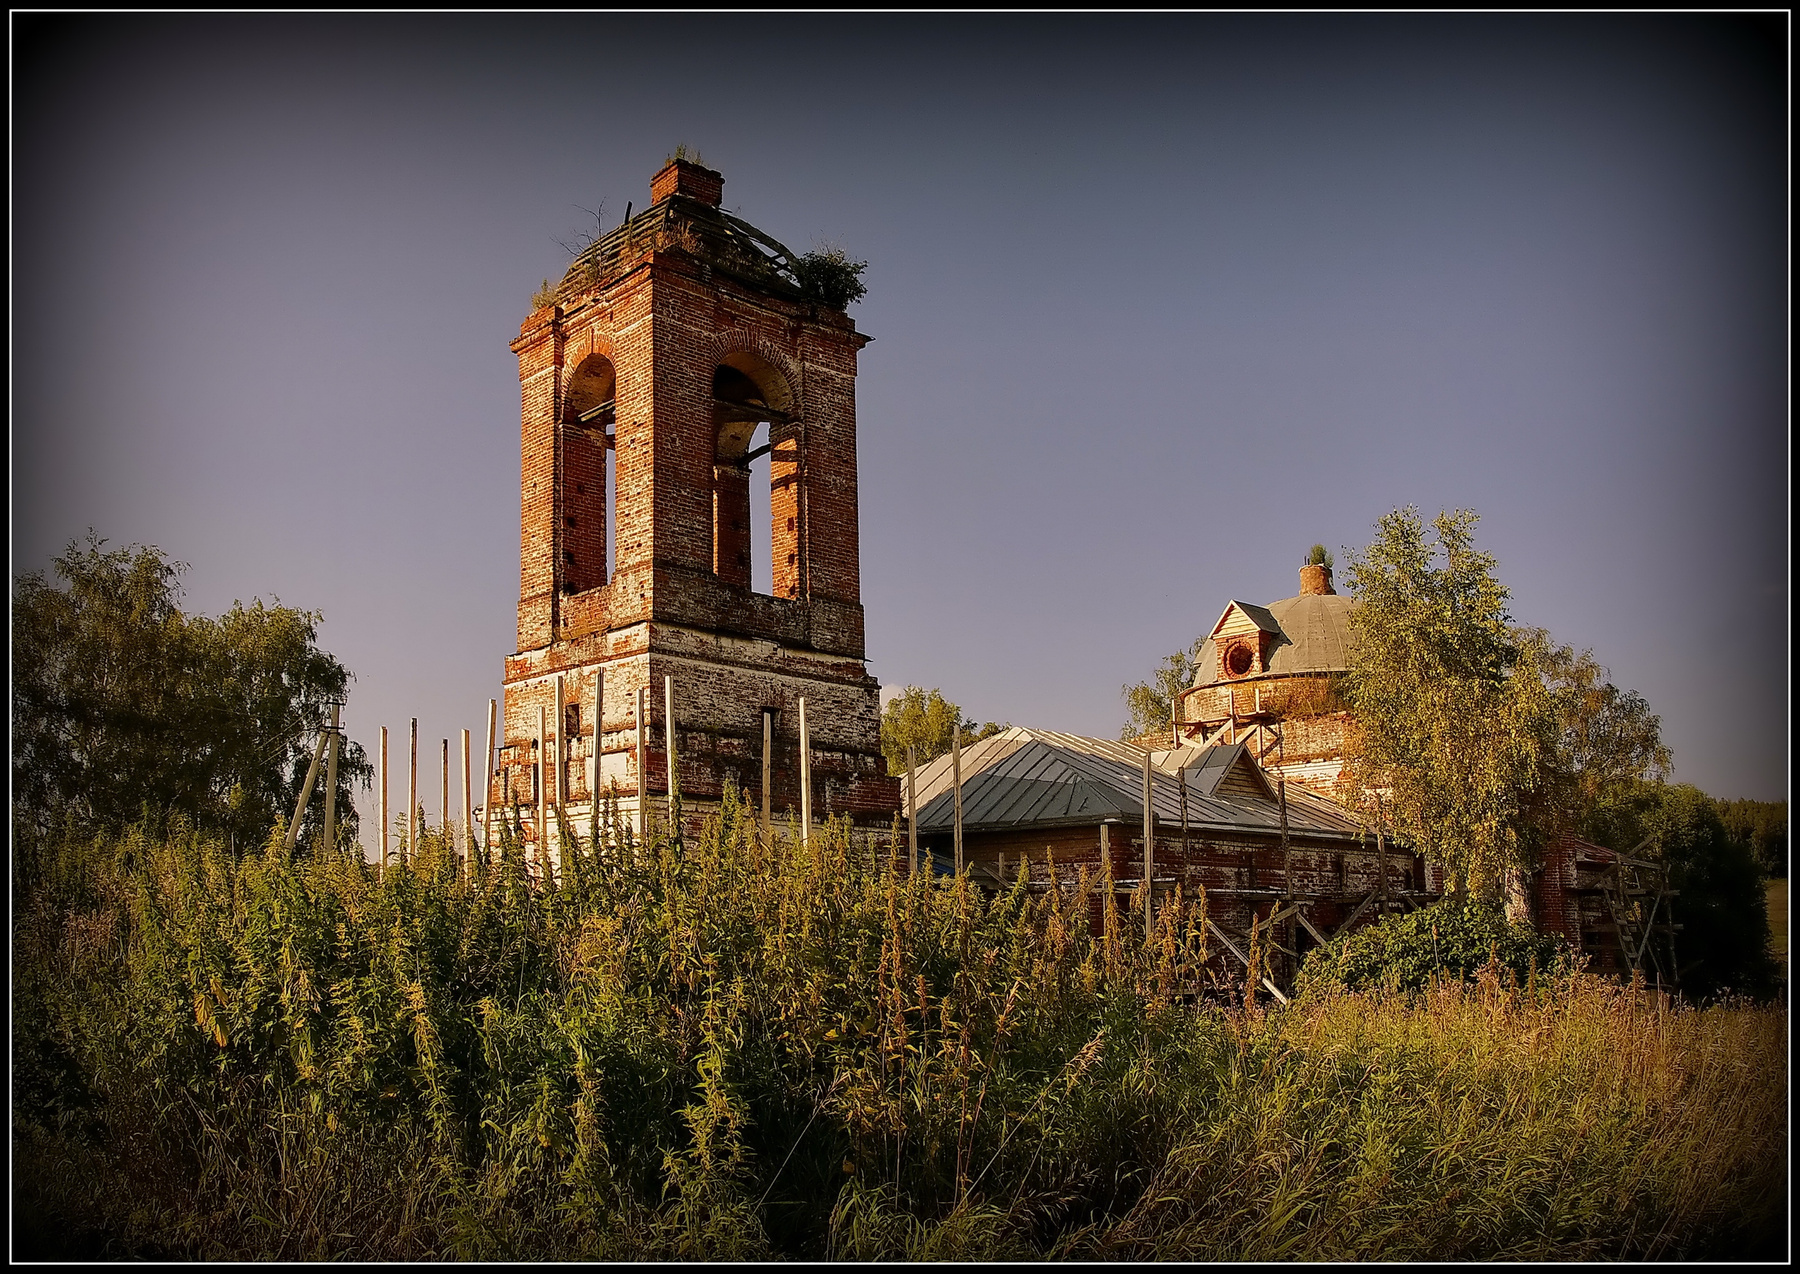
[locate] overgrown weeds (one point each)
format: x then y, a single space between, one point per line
743 1047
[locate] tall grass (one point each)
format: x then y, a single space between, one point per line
735 1048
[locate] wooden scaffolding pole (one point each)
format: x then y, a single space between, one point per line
412 797
669 746
912 808
541 774
643 778
1149 849
956 780
487 780
805 778
382 803
768 722
465 830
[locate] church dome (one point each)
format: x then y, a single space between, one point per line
1307 635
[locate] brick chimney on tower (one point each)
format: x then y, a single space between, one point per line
1316 580
682 177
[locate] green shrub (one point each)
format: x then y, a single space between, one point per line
1452 939
830 277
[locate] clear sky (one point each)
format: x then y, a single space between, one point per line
1158 302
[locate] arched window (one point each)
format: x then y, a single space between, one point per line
587 479
755 465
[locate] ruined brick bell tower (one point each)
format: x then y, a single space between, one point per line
679 350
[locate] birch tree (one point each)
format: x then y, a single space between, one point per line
1454 719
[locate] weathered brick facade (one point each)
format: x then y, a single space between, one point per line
669 341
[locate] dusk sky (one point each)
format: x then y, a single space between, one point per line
1157 303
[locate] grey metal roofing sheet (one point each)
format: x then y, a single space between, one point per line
1318 627
1024 777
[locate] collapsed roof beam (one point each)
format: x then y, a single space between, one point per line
730 409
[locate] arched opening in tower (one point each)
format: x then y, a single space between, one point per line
755 478
588 480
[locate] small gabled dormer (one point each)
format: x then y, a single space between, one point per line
1223 769
1245 640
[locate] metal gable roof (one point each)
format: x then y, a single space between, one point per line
1023 778
1258 615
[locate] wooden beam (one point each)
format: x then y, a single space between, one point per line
1353 916
1318 937
1245 961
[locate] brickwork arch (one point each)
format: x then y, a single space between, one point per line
583 535
727 348
588 383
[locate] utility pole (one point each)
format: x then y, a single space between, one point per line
312 774
331 757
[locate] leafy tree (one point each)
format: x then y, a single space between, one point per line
927 722
124 705
1454 716
1318 555
1606 740
1762 828
1152 703
1720 902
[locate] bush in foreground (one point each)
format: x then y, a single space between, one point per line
736 1048
1454 938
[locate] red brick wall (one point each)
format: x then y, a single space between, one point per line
582 534
731 524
